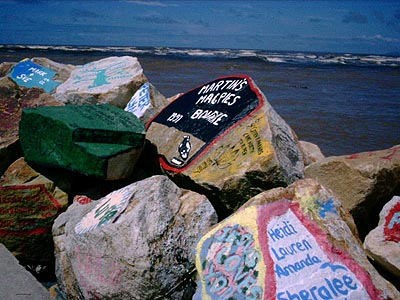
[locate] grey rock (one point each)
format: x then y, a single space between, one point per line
138 246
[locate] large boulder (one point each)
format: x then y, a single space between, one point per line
288 244
102 141
363 182
135 243
383 243
226 140
111 80
29 204
13 99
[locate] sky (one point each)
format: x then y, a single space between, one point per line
365 27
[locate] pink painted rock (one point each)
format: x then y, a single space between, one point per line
111 80
383 243
363 182
134 243
13 99
286 244
224 139
29 203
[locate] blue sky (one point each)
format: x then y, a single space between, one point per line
370 27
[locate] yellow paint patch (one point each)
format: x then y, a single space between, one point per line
249 146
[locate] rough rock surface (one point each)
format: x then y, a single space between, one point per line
13 99
95 140
383 243
311 152
135 243
363 182
29 203
292 243
111 80
226 139
63 71
146 102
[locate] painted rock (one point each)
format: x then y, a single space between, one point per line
287 244
13 99
135 243
111 80
226 138
29 74
146 102
363 182
383 243
29 204
95 140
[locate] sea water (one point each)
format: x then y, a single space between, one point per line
344 103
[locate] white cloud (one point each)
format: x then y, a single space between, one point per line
379 37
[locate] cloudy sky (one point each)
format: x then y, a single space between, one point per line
332 26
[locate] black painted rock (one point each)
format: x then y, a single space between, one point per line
95 140
226 138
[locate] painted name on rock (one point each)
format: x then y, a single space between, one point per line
276 252
27 73
101 76
391 227
205 114
106 211
27 210
140 101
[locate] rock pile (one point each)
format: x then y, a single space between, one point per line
118 191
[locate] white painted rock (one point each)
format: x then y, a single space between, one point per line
111 80
383 243
287 244
227 139
135 243
146 102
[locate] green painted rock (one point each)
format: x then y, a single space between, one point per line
95 140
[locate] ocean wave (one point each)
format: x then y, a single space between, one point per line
272 57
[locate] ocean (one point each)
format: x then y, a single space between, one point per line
344 103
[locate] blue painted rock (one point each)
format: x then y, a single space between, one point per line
383 243
111 80
95 140
226 138
29 204
134 243
285 244
363 182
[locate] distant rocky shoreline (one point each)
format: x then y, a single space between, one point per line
116 192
